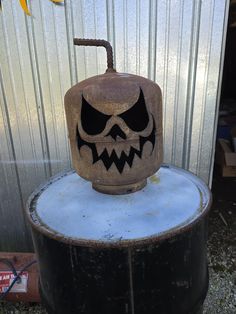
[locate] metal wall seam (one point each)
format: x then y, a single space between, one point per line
175 135
196 15
38 95
110 20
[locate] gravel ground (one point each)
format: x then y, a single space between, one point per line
222 248
222 259
222 263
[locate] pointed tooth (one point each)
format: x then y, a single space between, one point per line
136 145
118 151
109 149
100 149
127 149
126 167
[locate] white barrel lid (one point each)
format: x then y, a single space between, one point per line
68 209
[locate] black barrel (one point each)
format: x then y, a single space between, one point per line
91 261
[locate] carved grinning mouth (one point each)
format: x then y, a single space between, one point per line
113 158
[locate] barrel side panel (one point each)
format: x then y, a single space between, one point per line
82 280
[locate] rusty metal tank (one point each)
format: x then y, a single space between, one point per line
115 128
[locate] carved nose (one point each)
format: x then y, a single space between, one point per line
116 131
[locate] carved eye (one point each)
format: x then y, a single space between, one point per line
92 120
137 116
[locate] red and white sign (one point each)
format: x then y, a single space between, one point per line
6 278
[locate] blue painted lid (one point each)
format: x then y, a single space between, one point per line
172 200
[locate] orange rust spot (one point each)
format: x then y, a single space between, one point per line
155 179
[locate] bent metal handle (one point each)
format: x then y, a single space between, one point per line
98 43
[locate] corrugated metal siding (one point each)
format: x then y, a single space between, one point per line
177 43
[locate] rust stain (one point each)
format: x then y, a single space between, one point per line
155 179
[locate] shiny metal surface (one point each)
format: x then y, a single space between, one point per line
176 43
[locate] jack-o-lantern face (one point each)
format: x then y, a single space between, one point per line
116 139
115 130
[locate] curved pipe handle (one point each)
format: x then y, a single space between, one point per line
98 43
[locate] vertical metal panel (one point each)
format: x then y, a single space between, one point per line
206 92
177 43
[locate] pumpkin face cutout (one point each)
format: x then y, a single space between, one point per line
130 130
115 130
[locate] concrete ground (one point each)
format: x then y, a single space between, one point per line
221 254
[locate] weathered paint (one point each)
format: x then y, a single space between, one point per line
115 128
166 278
89 263
70 207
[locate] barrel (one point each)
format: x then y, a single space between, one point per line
140 253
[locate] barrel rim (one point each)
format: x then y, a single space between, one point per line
38 225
